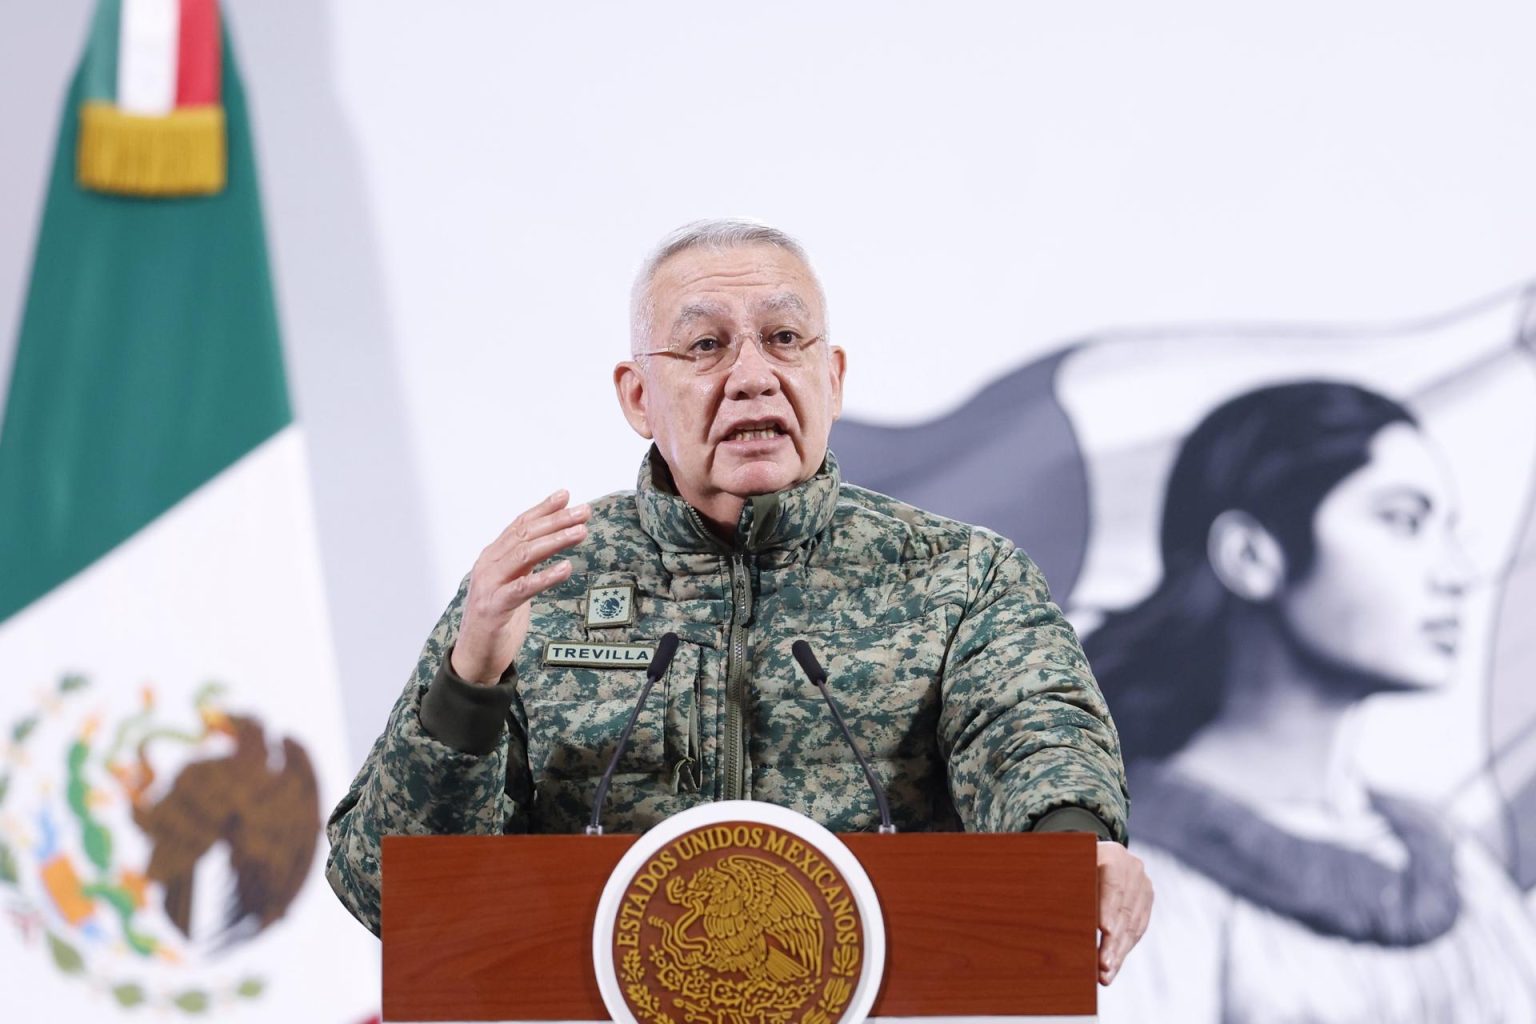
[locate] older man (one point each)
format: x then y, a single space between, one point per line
966 683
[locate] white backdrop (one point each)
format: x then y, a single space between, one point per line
458 193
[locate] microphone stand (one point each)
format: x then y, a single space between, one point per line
666 649
818 676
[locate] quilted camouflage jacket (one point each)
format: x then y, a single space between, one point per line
964 683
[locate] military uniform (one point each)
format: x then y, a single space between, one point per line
965 685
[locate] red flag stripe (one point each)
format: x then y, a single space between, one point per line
197 76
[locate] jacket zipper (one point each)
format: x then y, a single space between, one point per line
736 682
734 768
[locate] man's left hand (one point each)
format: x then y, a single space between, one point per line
1125 906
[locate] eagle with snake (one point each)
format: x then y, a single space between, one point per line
757 922
266 815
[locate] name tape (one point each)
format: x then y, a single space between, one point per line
584 655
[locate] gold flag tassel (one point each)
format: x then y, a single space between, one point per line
182 153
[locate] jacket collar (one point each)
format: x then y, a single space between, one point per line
786 519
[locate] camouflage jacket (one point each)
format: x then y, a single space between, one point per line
965 685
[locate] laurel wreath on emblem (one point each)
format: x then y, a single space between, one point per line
94 899
610 606
696 992
845 962
648 1005
735 977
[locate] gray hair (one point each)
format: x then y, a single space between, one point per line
716 234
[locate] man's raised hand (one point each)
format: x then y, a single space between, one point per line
503 582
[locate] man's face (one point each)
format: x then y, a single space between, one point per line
752 427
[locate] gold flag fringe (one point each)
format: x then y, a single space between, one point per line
182 153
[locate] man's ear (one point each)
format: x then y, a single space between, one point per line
837 365
629 384
1245 556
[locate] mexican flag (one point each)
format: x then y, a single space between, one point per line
171 729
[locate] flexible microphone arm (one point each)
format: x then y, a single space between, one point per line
818 675
666 649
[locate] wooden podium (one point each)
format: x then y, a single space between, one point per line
499 928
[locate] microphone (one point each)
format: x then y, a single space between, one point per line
818 675
666 650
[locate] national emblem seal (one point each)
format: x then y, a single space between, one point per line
739 913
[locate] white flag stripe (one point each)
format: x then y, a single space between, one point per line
224 587
149 39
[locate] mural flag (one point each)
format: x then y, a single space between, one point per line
1303 561
170 723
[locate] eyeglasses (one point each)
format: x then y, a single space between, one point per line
709 354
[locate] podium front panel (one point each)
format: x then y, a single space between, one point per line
499 928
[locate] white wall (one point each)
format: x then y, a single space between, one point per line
458 193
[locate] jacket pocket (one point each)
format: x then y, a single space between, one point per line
684 683
576 716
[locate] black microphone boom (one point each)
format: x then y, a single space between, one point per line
818 675
666 650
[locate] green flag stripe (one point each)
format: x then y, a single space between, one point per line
100 67
148 361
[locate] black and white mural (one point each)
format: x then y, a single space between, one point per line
1303 561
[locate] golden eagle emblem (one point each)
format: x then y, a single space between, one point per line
737 923
757 922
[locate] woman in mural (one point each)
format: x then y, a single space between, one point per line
1309 562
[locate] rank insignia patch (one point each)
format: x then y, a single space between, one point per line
610 606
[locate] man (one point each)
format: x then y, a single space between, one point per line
966 683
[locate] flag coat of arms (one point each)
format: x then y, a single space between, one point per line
170 725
